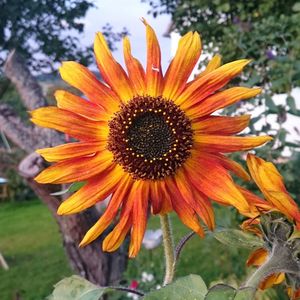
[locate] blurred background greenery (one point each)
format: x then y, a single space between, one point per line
266 31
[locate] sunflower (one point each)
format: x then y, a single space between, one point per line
147 139
277 198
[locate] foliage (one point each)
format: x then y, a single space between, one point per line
76 288
237 238
189 287
41 30
46 31
266 31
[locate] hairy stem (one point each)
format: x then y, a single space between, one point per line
275 263
168 248
181 244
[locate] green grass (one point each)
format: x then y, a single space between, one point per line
31 245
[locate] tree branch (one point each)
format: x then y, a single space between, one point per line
15 129
29 89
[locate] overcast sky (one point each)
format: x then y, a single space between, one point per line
127 13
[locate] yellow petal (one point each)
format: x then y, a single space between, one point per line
135 70
224 144
211 82
84 80
218 100
182 65
154 77
111 71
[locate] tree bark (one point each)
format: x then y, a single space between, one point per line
90 262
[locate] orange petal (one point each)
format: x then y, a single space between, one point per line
113 241
252 225
219 100
166 203
155 197
209 83
213 64
257 205
68 101
96 189
221 125
196 200
233 166
139 218
111 71
71 150
272 280
154 77
257 257
182 65
183 209
271 184
111 210
135 70
70 123
219 143
293 294
210 178
76 169
84 80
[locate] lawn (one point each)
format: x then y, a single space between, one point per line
30 242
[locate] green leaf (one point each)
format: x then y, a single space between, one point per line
76 288
221 292
246 293
226 292
76 186
270 104
296 6
71 189
291 103
189 287
237 238
292 145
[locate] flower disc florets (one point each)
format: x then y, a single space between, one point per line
150 137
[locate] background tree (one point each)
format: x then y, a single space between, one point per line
44 32
266 31
34 36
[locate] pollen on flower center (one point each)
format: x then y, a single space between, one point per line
150 137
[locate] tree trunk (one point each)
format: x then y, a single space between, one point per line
90 262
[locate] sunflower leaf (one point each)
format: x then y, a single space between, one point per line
189 287
227 292
237 238
71 189
221 292
76 288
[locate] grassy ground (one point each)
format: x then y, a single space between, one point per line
31 244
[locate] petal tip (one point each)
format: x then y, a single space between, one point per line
61 210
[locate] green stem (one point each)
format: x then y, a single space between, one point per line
275 263
168 248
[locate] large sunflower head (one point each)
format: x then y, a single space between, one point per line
148 139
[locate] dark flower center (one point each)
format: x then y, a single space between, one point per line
150 137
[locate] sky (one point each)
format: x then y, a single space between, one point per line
127 13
